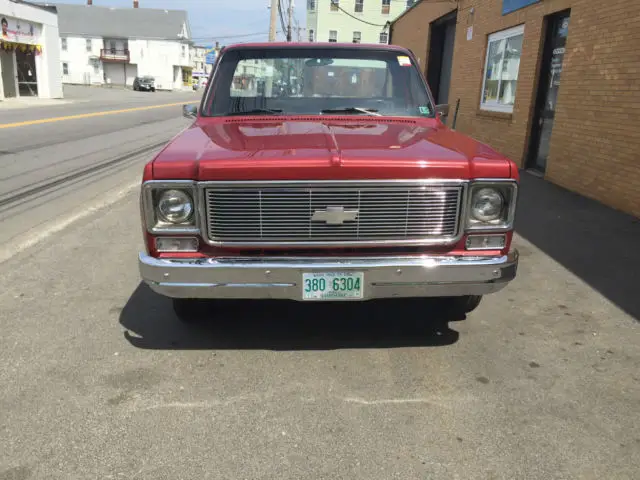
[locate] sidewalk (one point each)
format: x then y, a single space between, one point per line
30 102
596 243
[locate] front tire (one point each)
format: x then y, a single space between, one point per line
462 305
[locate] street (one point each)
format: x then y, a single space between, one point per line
55 170
100 380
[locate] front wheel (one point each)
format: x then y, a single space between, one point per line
462 305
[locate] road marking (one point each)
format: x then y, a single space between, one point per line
32 239
88 115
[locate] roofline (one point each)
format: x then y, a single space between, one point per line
111 37
51 8
54 3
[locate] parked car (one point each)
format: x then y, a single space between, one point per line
145 83
353 190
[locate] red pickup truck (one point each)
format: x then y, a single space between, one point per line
324 172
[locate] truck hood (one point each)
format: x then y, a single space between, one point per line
331 148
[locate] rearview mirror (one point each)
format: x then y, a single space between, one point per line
442 110
318 62
189 111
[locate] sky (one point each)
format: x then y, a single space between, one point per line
226 21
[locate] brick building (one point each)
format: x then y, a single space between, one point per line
554 84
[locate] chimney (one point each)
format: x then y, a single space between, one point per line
135 4
89 2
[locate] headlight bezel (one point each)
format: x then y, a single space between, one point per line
508 189
151 193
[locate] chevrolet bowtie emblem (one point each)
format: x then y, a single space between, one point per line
334 215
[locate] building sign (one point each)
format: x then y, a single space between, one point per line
210 57
509 6
19 31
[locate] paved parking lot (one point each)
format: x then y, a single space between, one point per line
541 382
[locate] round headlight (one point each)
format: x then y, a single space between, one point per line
486 205
175 206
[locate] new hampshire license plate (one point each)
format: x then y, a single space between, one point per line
332 285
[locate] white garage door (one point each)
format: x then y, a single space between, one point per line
115 72
132 73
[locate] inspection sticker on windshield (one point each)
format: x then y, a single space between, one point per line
404 61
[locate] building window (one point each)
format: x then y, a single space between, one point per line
112 47
63 44
357 37
334 5
311 5
65 68
386 7
501 68
311 32
184 51
333 36
359 6
384 37
88 42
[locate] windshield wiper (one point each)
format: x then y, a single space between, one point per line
367 111
257 111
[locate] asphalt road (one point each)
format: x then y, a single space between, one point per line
100 381
53 171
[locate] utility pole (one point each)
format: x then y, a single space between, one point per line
290 20
274 19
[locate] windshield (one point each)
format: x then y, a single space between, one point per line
316 81
147 79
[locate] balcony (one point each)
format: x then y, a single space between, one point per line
113 55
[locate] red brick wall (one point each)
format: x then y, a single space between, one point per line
412 30
595 145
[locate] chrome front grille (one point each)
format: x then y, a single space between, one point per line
339 213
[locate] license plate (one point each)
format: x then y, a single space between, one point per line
332 285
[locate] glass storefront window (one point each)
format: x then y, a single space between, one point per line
501 69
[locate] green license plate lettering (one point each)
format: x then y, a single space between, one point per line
332 285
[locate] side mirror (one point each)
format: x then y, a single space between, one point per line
442 110
189 111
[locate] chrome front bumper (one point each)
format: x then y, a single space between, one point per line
281 278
